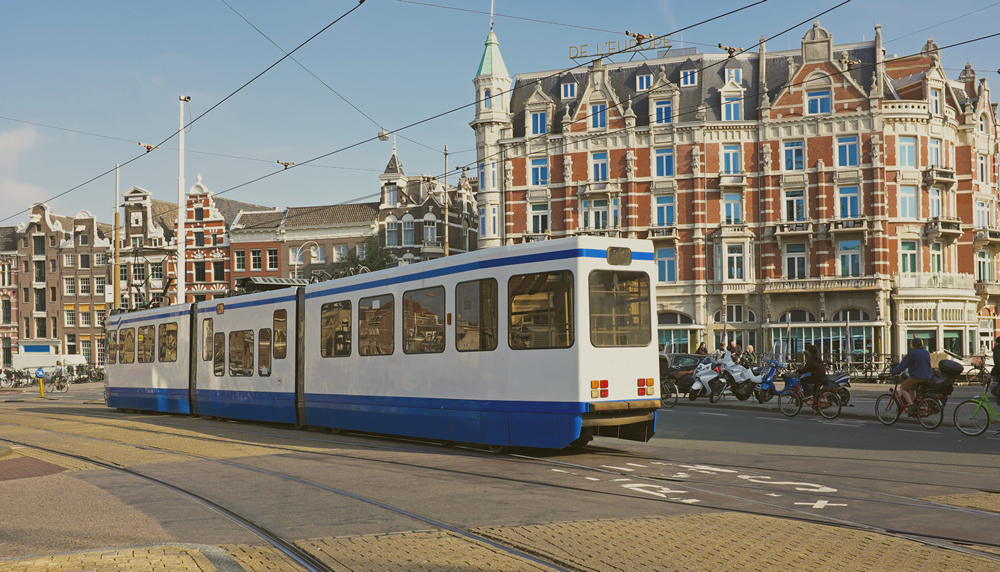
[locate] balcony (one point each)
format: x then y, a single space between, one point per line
905 109
946 228
939 176
986 235
665 231
794 228
605 232
929 280
985 289
732 288
854 224
737 180
535 236
432 247
738 229
822 284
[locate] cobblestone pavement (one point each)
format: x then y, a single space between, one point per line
978 501
155 558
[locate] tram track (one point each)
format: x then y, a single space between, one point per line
947 543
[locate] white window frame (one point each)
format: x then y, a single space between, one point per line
908 151
817 96
540 172
69 260
664 111
598 115
408 236
689 78
643 82
731 105
845 146
796 261
340 252
84 287
317 254
794 154
430 230
258 264
856 254
795 202
853 198
731 161
909 257
391 195
538 123
569 91
735 75
69 286
240 258
937 258
934 152
277 259
599 166
909 202
539 218
935 101
664 159
391 233
156 270
934 202
736 259
732 208
99 285
85 319
666 265
69 318
665 210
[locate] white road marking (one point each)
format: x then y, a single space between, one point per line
558 471
651 489
592 479
707 413
820 504
706 469
921 432
680 476
635 465
811 487
617 468
619 480
659 463
773 495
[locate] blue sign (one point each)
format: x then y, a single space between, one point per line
39 372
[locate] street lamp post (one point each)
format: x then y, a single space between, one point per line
298 254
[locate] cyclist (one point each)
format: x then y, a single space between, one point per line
812 375
918 362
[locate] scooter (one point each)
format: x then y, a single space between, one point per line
739 379
765 389
838 383
707 379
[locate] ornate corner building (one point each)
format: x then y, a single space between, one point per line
829 194
8 295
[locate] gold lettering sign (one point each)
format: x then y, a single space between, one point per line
618 46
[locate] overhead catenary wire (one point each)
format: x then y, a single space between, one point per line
210 109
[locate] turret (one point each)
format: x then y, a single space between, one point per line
492 122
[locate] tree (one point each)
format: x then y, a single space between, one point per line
376 258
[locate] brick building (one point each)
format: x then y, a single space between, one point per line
304 241
829 192
8 295
147 249
62 278
412 215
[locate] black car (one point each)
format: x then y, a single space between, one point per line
679 369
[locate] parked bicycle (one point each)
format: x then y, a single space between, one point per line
977 372
973 416
668 393
792 398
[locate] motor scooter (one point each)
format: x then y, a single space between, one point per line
765 389
839 382
707 379
738 378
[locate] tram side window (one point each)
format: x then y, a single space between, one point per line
241 353
168 342
126 340
147 343
206 338
423 321
112 346
264 351
335 329
375 325
541 310
476 313
219 354
619 309
280 334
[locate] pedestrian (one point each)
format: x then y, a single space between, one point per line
995 373
702 349
918 362
749 358
735 349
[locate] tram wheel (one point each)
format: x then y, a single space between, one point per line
498 449
580 443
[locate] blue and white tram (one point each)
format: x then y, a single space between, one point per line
544 344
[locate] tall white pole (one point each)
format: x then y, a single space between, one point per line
446 220
181 269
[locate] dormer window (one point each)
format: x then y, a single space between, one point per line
598 116
391 196
538 123
688 78
664 112
734 75
643 82
982 123
936 101
731 108
568 90
818 102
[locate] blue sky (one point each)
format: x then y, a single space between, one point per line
114 70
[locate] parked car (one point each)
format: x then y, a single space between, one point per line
679 369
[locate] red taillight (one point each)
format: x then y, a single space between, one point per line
604 393
642 382
642 391
604 385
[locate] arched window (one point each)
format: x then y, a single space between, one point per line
982 123
487 102
797 316
673 319
855 315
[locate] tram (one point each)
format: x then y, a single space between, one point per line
545 344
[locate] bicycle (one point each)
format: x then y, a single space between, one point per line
889 407
977 372
668 393
886 372
792 398
972 416
57 383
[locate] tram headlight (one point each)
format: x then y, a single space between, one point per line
595 393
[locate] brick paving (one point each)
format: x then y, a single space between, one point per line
258 558
152 559
977 501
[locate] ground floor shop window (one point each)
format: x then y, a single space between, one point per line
831 341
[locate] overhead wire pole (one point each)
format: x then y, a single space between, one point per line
116 302
181 239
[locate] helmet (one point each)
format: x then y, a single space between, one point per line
58 363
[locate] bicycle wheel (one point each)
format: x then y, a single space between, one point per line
974 375
844 395
668 394
971 418
790 403
50 387
4 382
829 405
931 413
62 386
715 396
887 409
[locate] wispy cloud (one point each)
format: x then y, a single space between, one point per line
16 142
